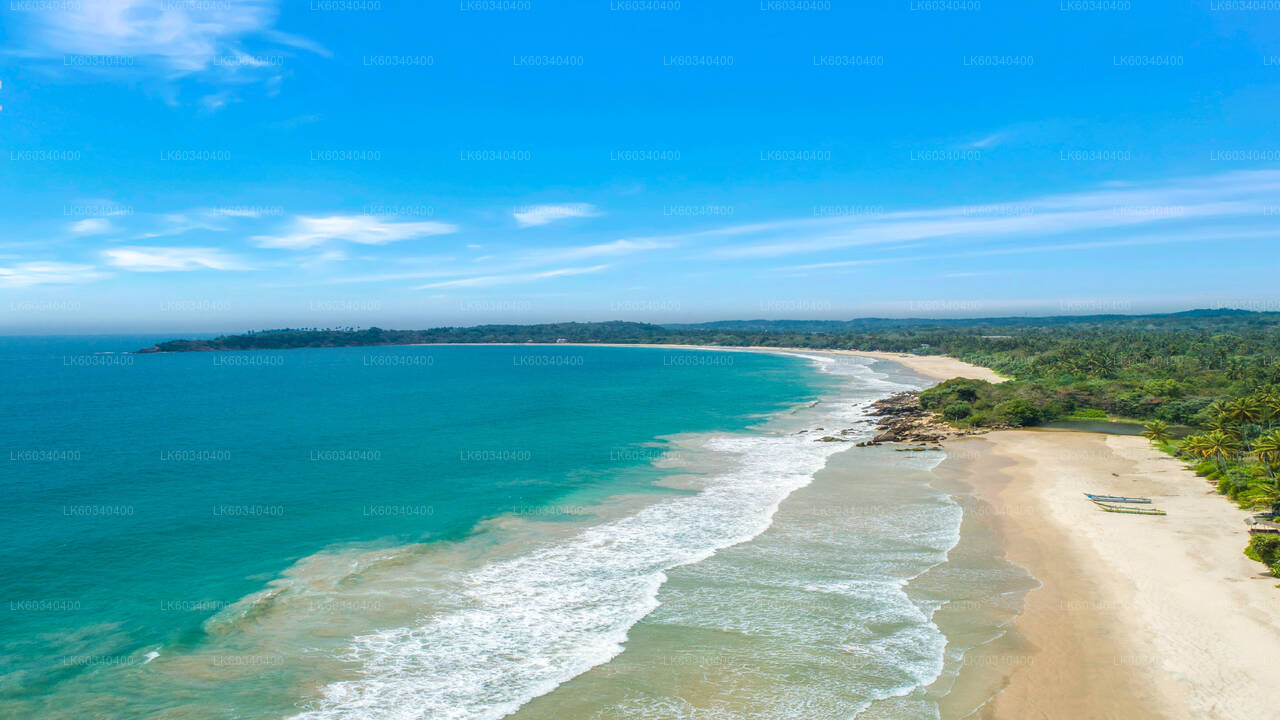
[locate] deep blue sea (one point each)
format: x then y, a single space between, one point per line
145 496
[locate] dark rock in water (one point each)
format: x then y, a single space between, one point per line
829 438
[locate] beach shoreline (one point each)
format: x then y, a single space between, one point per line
933 367
1136 617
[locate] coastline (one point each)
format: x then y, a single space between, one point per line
655 579
933 367
1135 617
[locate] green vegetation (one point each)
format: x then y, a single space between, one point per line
1239 450
290 338
970 403
1158 432
1266 550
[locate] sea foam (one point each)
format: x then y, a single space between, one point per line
530 623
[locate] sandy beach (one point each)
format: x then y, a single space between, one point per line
937 367
1137 617
934 367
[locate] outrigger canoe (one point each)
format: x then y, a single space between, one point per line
1129 510
1117 498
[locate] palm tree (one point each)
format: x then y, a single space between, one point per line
1245 412
1195 446
1157 431
1267 495
1270 402
1224 424
1267 448
1220 445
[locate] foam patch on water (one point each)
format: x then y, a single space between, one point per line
528 624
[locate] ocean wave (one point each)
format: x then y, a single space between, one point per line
527 624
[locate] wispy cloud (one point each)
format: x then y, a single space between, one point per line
308 232
91 226
46 273
1192 236
513 278
161 37
179 223
1244 196
215 101
535 215
615 248
514 269
987 141
169 259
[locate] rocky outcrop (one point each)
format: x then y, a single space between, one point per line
901 419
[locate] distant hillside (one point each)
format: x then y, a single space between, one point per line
1180 320
617 332
960 337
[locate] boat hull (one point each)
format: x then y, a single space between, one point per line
1117 499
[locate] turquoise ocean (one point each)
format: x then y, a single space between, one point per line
467 532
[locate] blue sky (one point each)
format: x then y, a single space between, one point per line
215 165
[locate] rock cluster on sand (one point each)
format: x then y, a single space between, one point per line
901 419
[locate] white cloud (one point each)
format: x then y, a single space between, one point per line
180 223
91 226
175 39
215 102
1239 196
1194 236
489 280
542 214
989 141
514 269
617 247
166 259
364 229
46 273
